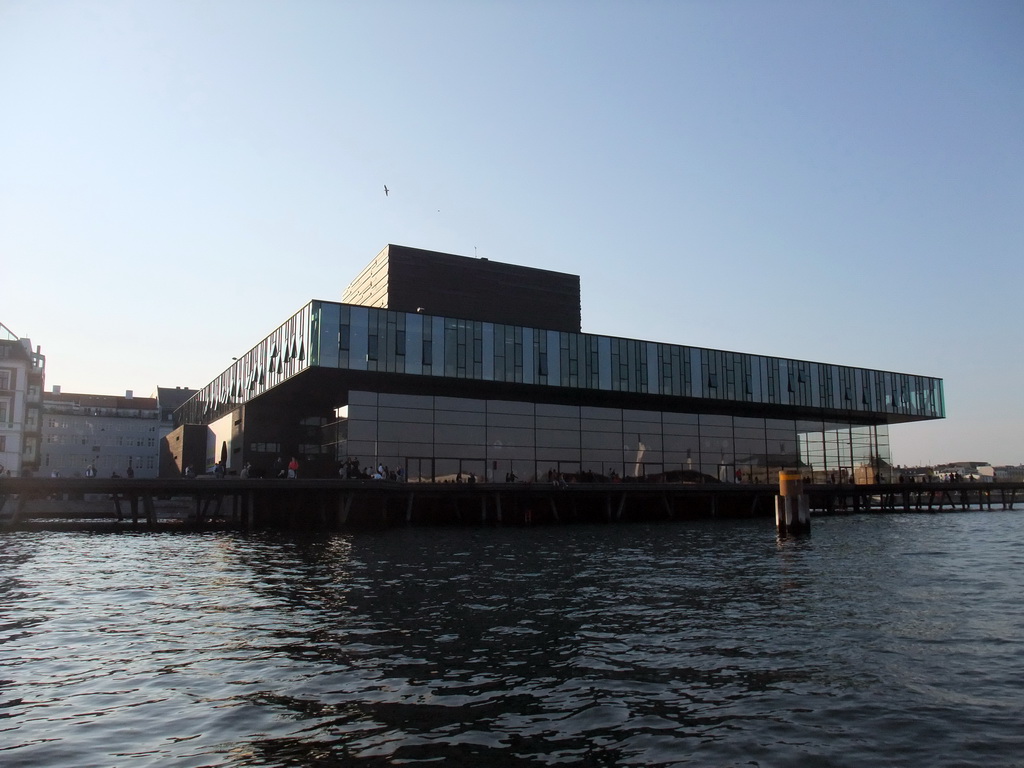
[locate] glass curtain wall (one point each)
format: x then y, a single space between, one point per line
445 439
372 339
357 338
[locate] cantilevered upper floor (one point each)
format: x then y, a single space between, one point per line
417 352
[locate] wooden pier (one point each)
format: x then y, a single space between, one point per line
913 497
247 504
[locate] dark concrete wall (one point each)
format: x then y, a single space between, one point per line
185 445
408 279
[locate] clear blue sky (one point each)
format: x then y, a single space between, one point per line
832 181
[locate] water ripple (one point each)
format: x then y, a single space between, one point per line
888 640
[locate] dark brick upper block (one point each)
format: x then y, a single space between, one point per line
414 280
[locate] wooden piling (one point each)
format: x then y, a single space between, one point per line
344 506
149 507
248 503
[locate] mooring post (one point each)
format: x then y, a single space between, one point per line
149 507
200 511
1008 503
792 509
19 508
344 505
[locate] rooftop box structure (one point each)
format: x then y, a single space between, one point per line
414 280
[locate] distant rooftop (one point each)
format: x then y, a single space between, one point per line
6 334
83 400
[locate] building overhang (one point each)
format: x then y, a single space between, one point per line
322 390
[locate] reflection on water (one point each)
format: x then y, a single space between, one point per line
886 640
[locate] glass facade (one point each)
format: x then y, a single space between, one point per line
833 418
381 340
434 438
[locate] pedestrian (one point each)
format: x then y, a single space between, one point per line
293 468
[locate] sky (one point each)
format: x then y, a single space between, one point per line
827 181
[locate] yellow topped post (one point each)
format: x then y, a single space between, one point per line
790 483
792 509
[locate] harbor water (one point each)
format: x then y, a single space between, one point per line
879 640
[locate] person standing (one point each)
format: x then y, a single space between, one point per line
293 468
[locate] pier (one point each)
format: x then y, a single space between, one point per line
248 504
332 504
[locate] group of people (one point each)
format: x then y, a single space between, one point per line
386 473
220 470
351 470
290 471
90 471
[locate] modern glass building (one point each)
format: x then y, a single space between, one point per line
439 395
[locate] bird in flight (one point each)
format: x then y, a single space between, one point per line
386 190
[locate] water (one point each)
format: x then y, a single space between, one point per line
889 640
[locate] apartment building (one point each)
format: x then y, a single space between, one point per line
22 375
